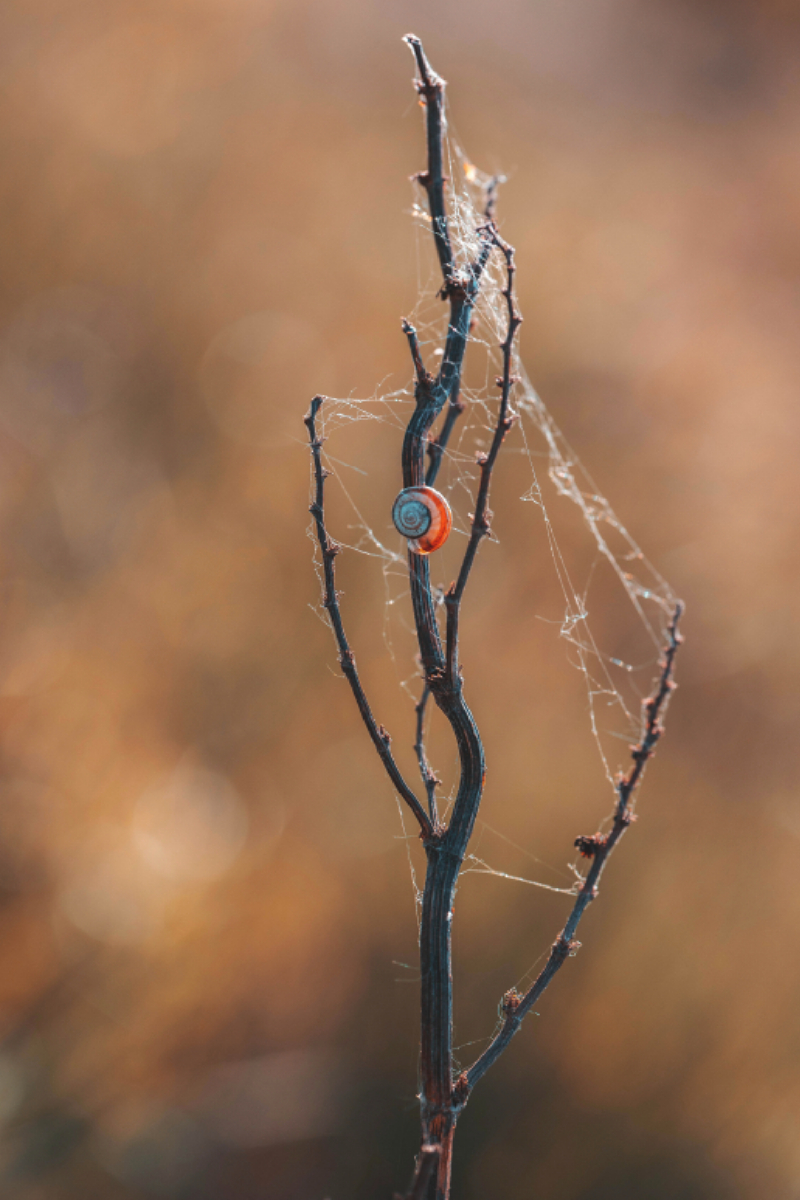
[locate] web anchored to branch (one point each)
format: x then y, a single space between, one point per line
470 399
582 563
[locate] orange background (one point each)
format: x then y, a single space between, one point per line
204 899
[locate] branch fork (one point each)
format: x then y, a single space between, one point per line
442 1098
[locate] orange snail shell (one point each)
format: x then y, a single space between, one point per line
423 516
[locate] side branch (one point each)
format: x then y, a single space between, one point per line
481 526
330 603
424 379
438 445
598 847
427 774
432 392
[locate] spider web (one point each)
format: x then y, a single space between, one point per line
597 568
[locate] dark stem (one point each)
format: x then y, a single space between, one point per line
330 602
431 91
439 1101
491 189
442 1098
438 445
598 847
424 1170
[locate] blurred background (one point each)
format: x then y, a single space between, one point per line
207 928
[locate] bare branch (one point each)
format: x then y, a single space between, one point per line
433 393
330 603
438 445
446 850
430 87
428 776
505 419
441 1097
423 378
491 188
598 847
463 294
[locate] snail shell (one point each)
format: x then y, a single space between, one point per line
424 517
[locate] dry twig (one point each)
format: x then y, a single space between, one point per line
442 1098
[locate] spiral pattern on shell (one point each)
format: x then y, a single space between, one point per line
423 516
